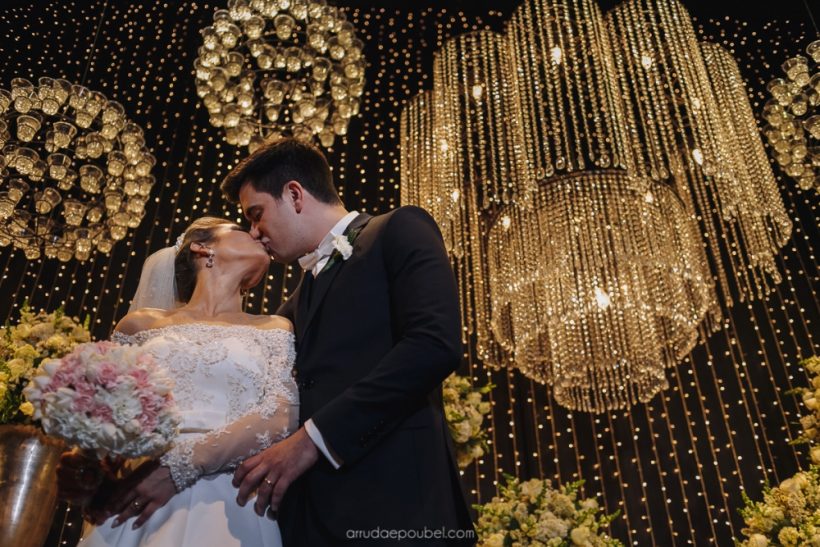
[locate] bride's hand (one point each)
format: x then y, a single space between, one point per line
146 490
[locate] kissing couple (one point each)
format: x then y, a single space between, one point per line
320 425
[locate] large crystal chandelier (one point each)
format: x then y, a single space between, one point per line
76 174
591 190
269 68
794 115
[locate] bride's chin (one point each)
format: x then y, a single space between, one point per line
254 278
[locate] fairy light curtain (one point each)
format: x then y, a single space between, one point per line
674 466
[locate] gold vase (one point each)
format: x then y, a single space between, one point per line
28 485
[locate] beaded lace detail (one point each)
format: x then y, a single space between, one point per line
234 388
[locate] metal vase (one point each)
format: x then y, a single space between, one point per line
28 485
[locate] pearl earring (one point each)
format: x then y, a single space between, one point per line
210 262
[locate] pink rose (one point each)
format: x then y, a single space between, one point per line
107 374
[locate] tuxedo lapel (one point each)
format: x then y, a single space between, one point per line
303 303
324 280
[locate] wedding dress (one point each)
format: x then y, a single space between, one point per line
236 396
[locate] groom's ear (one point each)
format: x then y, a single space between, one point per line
294 192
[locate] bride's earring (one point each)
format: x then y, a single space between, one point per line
210 262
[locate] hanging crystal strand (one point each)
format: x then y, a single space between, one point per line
691 123
566 85
763 216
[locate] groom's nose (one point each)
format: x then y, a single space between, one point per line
254 231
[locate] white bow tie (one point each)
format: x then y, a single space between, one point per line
324 250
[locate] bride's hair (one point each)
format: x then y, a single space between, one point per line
200 231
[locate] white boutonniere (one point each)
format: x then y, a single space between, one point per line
342 248
341 244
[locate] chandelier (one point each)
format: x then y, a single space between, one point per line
269 68
598 318
76 174
794 114
593 192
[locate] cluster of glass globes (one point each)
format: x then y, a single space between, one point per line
75 174
270 68
794 118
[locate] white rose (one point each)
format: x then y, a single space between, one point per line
341 244
495 540
532 488
790 485
758 540
580 535
589 503
464 431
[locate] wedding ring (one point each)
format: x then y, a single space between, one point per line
136 504
268 482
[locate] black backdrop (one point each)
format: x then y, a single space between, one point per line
675 467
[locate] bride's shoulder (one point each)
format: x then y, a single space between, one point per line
272 322
139 320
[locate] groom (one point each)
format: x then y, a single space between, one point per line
378 329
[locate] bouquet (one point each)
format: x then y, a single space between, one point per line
533 513
23 347
465 408
106 397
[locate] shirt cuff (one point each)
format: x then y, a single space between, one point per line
316 436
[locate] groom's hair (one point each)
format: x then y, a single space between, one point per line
275 163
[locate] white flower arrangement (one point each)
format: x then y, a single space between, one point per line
789 514
465 408
535 514
811 398
23 347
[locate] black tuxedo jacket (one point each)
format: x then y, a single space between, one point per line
376 335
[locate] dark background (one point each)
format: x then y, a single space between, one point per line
674 467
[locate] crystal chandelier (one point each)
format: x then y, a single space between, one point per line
269 68
794 114
600 286
76 174
593 193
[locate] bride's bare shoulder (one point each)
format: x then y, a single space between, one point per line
273 322
139 320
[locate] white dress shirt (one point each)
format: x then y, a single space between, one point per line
314 262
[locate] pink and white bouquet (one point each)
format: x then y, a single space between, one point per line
110 398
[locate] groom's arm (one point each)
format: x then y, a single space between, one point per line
426 320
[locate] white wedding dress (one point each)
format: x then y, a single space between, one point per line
236 395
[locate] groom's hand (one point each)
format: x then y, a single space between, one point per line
272 471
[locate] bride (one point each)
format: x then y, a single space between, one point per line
233 388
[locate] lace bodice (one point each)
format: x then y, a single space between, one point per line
233 388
